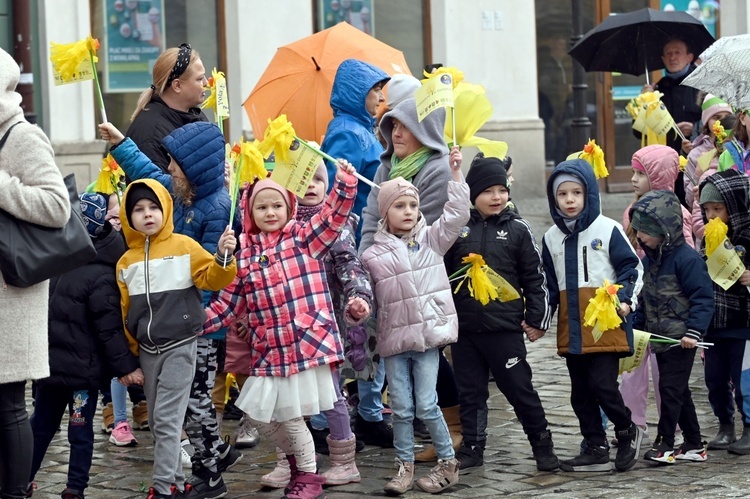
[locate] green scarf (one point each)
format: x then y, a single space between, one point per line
410 165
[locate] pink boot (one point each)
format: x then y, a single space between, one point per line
343 468
306 486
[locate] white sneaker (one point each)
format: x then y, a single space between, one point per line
185 452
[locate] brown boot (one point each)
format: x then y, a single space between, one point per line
140 416
452 419
343 468
403 481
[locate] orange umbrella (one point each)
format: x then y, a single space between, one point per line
299 78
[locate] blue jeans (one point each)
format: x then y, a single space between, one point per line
412 376
371 396
119 401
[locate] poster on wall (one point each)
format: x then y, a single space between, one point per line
133 40
706 11
358 13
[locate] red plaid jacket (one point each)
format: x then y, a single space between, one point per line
281 284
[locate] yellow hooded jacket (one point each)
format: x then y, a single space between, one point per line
159 277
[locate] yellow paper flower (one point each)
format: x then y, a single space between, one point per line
67 57
249 162
719 132
110 176
714 233
277 139
210 101
480 286
457 75
601 312
595 156
473 109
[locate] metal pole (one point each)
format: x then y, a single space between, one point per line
22 55
581 125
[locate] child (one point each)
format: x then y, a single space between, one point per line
736 154
655 167
416 315
712 110
159 278
491 336
727 123
201 211
726 195
291 325
676 302
580 251
86 347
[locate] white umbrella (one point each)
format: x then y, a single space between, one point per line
725 74
726 44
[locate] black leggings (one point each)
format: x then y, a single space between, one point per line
16 441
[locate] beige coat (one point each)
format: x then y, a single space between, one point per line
414 298
31 189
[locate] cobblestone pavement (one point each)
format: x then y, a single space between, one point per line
124 473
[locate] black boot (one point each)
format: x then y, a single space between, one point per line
725 437
544 452
628 447
741 446
591 458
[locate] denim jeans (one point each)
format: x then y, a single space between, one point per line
371 396
412 376
119 400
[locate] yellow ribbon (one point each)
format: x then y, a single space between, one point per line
601 312
278 139
67 57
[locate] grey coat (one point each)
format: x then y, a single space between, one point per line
31 189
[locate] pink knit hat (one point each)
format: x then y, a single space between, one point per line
391 190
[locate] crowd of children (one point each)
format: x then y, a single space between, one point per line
296 288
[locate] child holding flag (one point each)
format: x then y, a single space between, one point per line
416 316
676 302
580 252
281 285
491 336
726 196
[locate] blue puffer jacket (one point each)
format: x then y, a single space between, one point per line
350 134
199 150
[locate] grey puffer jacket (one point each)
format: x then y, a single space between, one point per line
415 302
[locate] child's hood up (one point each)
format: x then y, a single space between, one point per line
138 239
10 100
199 150
430 132
662 165
665 209
352 83
583 170
734 187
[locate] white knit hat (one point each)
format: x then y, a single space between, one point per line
401 87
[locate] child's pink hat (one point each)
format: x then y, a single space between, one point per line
247 223
391 190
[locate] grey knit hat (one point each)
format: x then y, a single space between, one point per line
710 194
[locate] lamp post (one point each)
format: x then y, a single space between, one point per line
581 125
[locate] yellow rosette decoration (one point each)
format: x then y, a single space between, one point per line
594 155
277 139
714 233
601 312
110 176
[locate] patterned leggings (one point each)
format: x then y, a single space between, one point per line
292 437
200 419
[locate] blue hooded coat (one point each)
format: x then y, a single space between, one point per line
350 134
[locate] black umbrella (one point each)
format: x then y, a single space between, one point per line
632 43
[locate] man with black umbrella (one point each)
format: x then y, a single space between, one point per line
681 101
